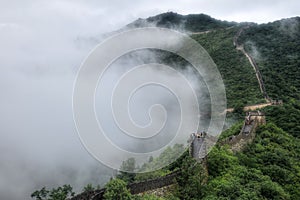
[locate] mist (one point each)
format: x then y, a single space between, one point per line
39 144
42 46
41 53
143 99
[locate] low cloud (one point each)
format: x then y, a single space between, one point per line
42 46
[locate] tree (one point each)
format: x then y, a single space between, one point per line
40 194
60 193
89 187
191 179
127 169
238 108
150 159
116 190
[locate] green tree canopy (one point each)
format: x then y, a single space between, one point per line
116 190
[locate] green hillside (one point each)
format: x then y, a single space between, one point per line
239 78
238 75
276 48
269 167
189 23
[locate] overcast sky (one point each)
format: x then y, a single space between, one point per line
42 44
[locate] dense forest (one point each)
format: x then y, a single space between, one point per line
269 167
186 23
276 48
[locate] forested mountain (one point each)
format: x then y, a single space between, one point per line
188 23
269 167
238 76
276 48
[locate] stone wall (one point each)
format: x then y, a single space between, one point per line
237 143
90 195
160 192
247 133
134 188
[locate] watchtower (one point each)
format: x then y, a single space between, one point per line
198 145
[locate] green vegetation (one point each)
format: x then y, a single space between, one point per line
153 197
127 167
116 190
60 193
286 116
269 167
238 75
191 179
183 22
166 156
275 47
233 130
89 187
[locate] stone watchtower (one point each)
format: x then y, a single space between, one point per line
198 150
198 145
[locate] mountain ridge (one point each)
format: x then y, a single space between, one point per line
176 21
269 168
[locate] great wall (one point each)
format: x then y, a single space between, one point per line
134 188
241 48
247 133
198 141
198 150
